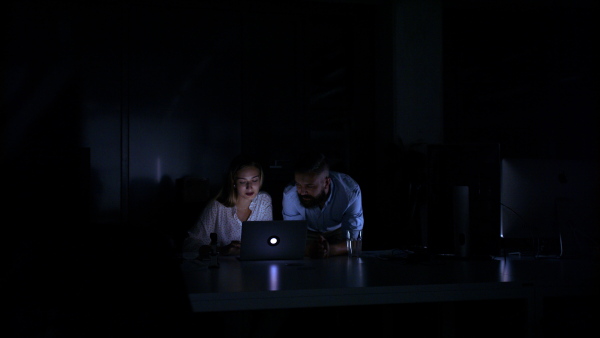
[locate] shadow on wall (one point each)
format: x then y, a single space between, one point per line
170 207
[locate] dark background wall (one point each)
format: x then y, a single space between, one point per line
522 74
157 91
107 105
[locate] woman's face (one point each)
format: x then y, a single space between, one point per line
247 182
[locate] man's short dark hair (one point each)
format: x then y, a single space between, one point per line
311 162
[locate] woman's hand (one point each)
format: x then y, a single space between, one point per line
231 249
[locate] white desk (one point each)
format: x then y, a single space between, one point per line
339 281
342 281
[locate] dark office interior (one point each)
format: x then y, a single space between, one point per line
119 118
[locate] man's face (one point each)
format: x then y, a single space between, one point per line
312 189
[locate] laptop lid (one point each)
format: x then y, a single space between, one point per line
273 240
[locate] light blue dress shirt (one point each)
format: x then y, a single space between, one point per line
342 209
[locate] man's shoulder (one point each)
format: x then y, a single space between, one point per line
344 178
345 185
289 189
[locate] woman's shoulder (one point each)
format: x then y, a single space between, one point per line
262 200
213 204
264 195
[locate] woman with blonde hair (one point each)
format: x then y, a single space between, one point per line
239 199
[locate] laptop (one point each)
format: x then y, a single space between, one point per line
273 240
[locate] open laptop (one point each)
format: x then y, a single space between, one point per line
273 240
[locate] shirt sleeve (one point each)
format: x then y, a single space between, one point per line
290 211
199 234
264 208
353 217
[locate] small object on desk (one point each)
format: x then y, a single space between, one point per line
214 253
354 242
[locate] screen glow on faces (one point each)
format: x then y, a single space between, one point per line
247 182
309 184
312 189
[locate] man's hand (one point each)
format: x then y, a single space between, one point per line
319 248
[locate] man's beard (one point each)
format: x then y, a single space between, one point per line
309 202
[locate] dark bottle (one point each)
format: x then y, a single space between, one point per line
214 253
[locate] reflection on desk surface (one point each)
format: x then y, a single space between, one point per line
380 269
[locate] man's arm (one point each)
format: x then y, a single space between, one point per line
338 249
289 205
321 248
353 217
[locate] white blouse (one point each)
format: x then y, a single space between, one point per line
224 222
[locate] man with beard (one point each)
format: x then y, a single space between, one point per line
330 202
